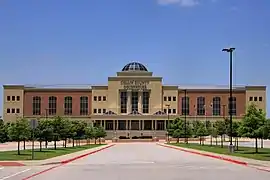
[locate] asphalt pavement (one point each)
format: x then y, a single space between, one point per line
143 161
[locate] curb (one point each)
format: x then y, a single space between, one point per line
207 155
243 163
83 155
66 161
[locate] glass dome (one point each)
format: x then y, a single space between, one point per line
134 66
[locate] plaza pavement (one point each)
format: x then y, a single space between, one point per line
143 161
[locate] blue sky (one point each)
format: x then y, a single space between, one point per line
84 42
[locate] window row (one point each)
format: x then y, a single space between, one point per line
13 110
99 111
255 98
169 98
170 111
13 98
100 98
200 107
52 110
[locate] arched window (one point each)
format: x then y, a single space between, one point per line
68 105
200 106
216 106
36 105
52 105
233 106
83 105
185 105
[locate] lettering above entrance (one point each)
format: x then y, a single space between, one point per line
135 84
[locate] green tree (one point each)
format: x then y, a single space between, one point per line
79 129
44 132
235 132
56 124
100 133
176 129
19 131
209 129
89 132
65 130
214 133
3 131
201 131
221 130
252 124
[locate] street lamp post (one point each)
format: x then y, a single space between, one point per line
230 51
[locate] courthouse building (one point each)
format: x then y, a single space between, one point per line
133 103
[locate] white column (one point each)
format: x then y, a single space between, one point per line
129 102
140 102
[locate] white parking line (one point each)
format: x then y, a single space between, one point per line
15 174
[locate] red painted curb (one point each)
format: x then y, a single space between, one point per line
65 162
208 155
11 164
81 156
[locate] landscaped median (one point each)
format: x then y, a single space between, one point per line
49 156
244 156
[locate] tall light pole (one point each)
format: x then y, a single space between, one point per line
230 51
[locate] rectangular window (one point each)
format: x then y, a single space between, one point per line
250 98
13 98
104 98
13 110
99 98
255 98
99 111
165 111
169 98
83 105
185 105
95 111
104 111
95 98
174 111
8 110
17 110
8 98
260 98
174 98
134 101
123 99
165 98
18 98
145 102
169 111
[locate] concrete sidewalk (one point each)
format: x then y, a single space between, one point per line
56 160
263 165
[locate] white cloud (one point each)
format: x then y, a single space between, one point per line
179 2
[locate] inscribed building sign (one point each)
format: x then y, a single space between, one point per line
134 84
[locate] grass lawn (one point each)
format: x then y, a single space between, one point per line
247 152
44 154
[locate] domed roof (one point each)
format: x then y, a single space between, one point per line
134 66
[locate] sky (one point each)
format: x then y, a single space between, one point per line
83 42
